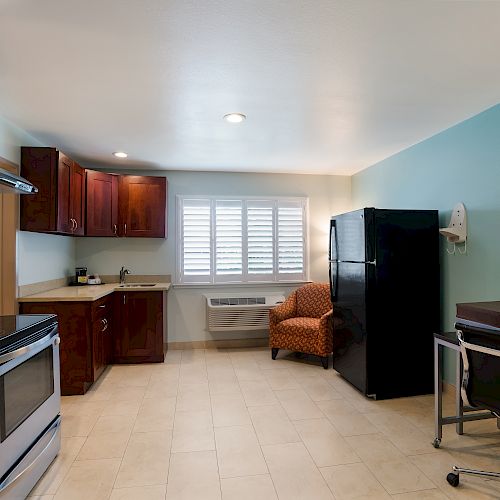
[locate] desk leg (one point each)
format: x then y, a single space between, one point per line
458 396
438 396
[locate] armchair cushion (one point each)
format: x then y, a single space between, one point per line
299 325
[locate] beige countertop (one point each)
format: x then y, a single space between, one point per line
89 292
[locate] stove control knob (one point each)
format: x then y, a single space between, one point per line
57 341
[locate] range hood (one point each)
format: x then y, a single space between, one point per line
11 183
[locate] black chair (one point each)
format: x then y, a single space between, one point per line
480 350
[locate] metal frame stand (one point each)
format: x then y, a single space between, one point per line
459 418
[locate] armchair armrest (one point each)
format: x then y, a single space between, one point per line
326 321
284 311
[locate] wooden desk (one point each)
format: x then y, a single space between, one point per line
485 313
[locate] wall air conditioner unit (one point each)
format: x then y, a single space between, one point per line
245 312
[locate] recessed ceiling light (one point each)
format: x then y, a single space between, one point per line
120 154
235 117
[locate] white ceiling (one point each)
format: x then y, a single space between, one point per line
329 86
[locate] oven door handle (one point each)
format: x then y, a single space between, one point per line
52 429
31 347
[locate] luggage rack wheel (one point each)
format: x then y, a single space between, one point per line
453 479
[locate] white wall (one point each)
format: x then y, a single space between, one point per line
327 195
44 257
40 257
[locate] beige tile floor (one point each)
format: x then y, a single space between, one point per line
233 424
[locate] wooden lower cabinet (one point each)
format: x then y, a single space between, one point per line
123 327
139 326
86 334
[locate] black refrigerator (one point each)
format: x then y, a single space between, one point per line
384 280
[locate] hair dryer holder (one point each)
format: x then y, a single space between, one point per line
456 232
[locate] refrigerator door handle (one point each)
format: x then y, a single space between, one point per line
334 272
333 239
371 263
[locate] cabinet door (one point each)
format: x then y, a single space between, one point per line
98 341
102 204
39 211
139 326
108 340
143 206
64 216
76 340
78 199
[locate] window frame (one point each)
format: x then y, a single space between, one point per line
245 278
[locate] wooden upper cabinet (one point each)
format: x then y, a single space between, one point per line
58 207
142 206
102 204
75 201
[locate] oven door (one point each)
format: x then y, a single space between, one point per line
29 396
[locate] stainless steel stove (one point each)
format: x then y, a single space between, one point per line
30 401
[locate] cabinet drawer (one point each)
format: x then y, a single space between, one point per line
101 308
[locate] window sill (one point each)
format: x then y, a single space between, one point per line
241 285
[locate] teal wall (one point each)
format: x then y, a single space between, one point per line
461 163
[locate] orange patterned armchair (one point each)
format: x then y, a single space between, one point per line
303 322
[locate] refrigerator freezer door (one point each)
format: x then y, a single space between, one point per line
351 237
350 356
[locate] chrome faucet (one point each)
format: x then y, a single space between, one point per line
123 273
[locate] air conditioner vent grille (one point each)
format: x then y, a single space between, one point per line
240 313
237 301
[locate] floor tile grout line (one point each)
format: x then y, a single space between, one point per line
305 446
215 439
255 431
83 444
128 441
173 423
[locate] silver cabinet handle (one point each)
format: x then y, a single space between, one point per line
53 429
23 350
125 227
115 229
102 307
76 224
105 325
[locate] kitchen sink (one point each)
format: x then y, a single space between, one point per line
136 285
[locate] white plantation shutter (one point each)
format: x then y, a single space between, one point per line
260 238
196 241
228 239
241 240
291 239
